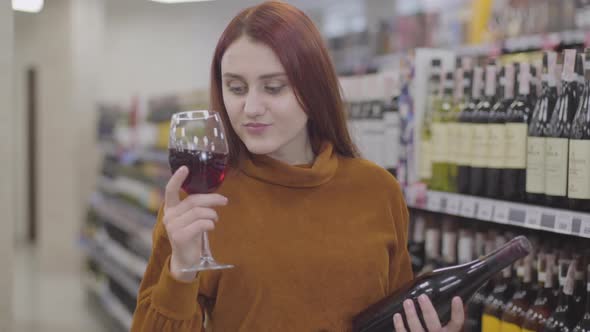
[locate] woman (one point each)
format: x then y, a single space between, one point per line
316 233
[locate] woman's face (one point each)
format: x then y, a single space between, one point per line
261 103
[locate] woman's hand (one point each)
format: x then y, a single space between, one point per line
430 317
185 222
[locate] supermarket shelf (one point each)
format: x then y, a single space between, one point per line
116 262
109 302
503 212
126 217
147 195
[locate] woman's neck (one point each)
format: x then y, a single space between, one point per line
296 152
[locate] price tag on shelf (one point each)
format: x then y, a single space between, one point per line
484 210
433 202
452 206
576 224
533 218
501 213
517 215
467 208
563 223
585 229
548 220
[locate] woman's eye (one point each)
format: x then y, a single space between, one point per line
272 89
238 90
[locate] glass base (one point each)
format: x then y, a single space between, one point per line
206 265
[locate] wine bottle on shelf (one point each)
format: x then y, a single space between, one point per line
481 143
515 310
584 324
476 305
563 318
455 134
441 286
517 120
434 96
432 247
449 242
535 171
472 82
558 132
544 304
497 132
579 149
579 287
466 246
440 137
504 288
416 245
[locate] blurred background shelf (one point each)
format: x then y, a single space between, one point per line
516 214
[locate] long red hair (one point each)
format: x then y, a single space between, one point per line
299 46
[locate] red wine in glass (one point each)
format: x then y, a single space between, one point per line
198 141
206 169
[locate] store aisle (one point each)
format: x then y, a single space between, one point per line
51 302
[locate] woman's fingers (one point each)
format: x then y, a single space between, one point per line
429 314
194 201
412 317
190 216
457 316
398 323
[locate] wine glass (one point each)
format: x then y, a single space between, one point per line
198 141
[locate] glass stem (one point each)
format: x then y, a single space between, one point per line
205 250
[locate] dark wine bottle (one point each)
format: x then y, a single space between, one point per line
481 142
517 119
584 324
558 133
496 301
515 310
472 82
416 243
579 287
440 138
535 172
563 318
476 304
579 149
545 302
441 286
497 132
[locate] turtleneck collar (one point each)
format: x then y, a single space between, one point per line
267 169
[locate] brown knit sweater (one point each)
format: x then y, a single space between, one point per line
312 245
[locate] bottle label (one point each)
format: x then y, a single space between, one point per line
432 245
449 247
465 144
509 327
535 167
489 323
465 249
516 137
524 78
425 159
569 62
579 169
497 147
454 138
556 166
440 142
480 145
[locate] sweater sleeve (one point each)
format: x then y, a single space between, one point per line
165 304
400 266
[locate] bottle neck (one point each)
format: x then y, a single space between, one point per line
524 80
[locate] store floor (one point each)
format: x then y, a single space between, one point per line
50 302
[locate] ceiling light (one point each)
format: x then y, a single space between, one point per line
30 6
179 1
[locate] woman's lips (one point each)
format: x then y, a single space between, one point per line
256 128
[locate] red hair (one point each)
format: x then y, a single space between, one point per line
302 52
